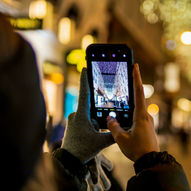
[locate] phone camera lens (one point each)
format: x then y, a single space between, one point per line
113 55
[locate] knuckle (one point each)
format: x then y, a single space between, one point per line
145 117
151 118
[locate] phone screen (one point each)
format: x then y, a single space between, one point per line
110 82
110 79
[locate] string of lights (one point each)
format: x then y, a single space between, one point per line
175 18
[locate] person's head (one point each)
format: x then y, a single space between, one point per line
22 111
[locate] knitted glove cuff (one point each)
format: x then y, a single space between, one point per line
71 163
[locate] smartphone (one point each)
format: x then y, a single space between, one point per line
109 68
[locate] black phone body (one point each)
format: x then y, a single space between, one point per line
109 68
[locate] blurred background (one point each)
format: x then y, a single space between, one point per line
159 32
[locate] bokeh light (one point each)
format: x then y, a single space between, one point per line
186 38
148 90
86 41
153 109
64 30
184 104
38 9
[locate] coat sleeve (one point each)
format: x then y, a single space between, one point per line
70 171
158 171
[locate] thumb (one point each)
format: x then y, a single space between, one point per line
114 127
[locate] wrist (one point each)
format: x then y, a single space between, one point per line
144 152
71 163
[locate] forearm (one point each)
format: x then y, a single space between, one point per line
158 171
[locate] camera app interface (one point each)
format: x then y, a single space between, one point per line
110 82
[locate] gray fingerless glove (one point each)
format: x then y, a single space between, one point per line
81 137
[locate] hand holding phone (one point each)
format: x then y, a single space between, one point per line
110 79
141 138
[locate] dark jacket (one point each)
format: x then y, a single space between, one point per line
158 172
22 111
154 171
70 171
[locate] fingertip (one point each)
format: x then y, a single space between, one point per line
112 124
136 69
109 118
84 74
84 70
136 65
138 89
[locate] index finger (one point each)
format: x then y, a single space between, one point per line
140 104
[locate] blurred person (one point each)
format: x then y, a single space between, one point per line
22 113
154 170
23 129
